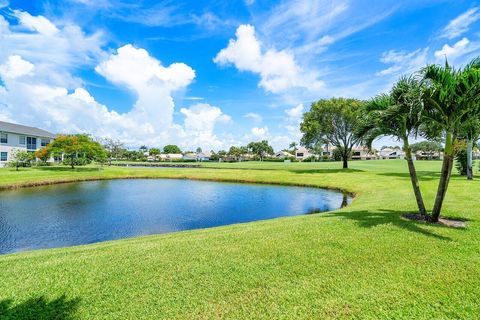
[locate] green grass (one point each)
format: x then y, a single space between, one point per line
363 261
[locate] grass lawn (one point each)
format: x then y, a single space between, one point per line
363 261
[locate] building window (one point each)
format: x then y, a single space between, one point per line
21 140
3 156
3 138
44 142
299 154
31 143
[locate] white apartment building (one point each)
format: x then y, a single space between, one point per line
14 136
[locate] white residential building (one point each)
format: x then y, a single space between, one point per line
283 154
303 153
18 137
363 153
389 153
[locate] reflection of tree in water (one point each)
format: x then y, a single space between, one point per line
344 201
40 309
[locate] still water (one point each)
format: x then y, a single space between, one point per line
88 212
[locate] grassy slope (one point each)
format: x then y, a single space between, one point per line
362 261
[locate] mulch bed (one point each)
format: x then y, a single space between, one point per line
448 222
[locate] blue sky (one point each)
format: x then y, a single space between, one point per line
213 73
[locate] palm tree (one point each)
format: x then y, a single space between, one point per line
471 122
398 114
470 131
451 97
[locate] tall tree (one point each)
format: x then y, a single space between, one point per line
332 121
235 152
397 114
451 97
154 152
171 148
260 148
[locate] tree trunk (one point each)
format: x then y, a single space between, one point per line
444 177
469 159
73 162
345 162
414 179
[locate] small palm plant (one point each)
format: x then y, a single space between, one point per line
397 114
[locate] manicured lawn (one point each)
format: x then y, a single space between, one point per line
363 261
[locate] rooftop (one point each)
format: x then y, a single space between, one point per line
24 130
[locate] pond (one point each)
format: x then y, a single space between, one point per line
88 212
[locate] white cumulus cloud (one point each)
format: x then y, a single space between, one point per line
278 70
15 67
37 87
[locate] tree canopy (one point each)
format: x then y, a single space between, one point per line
260 149
76 149
332 121
171 148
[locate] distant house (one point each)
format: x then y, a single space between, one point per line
426 155
171 156
154 157
327 151
283 154
19 137
204 156
303 153
190 156
363 153
389 153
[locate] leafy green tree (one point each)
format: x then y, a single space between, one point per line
76 149
429 147
235 152
332 121
199 150
154 151
221 154
397 114
451 97
171 148
260 149
20 158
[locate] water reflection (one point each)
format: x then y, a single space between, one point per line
88 212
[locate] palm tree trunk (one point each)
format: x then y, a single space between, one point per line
444 177
345 161
414 179
469 159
